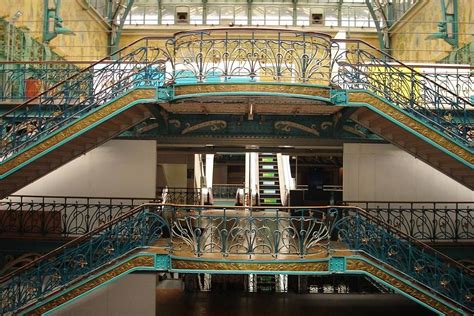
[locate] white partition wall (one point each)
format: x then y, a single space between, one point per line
118 168
382 172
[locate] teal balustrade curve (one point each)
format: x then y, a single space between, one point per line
417 261
137 228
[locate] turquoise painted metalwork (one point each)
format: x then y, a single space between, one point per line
230 56
418 262
337 264
241 231
163 262
138 228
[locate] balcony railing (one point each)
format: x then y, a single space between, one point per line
238 56
198 231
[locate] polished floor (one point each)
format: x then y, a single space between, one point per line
179 303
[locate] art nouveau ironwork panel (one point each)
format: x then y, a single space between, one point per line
250 232
139 227
362 67
433 222
363 232
252 56
59 216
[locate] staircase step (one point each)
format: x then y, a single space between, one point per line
267 167
269 175
268 182
270 200
269 191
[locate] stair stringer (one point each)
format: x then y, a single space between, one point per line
73 135
437 150
353 263
135 261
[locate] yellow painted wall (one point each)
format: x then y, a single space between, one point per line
91 34
408 36
91 39
32 15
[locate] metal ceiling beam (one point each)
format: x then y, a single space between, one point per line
122 11
382 31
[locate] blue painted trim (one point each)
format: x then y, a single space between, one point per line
66 140
408 129
94 276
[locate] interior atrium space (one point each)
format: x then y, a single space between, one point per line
236 157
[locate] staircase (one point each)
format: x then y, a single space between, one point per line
269 183
407 109
78 114
372 248
266 283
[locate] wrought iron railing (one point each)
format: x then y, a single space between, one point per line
141 63
137 228
360 66
240 231
237 56
226 191
251 55
306 231
187 196
251 231
56 216
415 260
25 80
426 221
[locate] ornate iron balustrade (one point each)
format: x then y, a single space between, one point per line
363 67
251 231
187 196
139 227
21 81
377 239
136 66
237 56
60 216
239 230
427 221
250 55
306 231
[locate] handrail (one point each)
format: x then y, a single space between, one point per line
240 29
171 221
82 71
403 64
75 241
77 197
254 208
